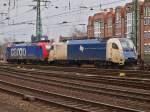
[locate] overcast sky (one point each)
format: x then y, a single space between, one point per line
57 11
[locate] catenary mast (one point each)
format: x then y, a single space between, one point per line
38 21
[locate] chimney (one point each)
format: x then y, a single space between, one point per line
111 9
105 10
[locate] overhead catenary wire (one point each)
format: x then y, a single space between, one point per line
71 23
73 12
14 17
55 26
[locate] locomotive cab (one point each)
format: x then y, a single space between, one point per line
129 50
114 51
121 50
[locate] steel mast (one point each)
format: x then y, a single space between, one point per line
39 30
136 23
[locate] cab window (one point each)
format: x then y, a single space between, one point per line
114 46
52 48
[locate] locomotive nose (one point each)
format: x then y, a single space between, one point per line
130 57
48 47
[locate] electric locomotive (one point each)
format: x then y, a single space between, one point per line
34 52
94 51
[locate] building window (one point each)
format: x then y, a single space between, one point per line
129 20
98 27
147 34
146 21
101 25
147 49
118 19
147 11
110 25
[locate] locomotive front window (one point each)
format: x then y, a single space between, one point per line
127 45
114 46
52 47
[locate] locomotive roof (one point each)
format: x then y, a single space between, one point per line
24 44
88 41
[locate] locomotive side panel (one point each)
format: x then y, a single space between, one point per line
24 52
34 52
61 51
87 50
16 52
58 52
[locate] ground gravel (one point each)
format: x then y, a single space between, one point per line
89 96
25 106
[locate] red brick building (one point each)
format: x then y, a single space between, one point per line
128 19
97 25
110 23
145 30
118 23
90 27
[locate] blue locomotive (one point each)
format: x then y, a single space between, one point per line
27 52
104 51
97 51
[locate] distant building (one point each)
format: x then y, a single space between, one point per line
145 30
110 23
90 27
118 23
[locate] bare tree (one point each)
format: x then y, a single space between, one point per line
7 40
78 33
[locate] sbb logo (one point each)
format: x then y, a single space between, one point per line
18 52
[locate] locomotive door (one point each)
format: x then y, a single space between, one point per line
51 53
114 53
115 50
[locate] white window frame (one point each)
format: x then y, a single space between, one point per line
147 48
147 34
129 24
147 11
110 23
97 28
147 21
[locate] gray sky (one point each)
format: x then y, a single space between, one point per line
23 12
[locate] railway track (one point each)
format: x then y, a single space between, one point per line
103 79
68 81
76 85
66 101
81 105
96 71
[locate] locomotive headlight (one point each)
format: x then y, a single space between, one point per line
121 60
48 47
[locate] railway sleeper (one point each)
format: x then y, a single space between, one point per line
29 98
